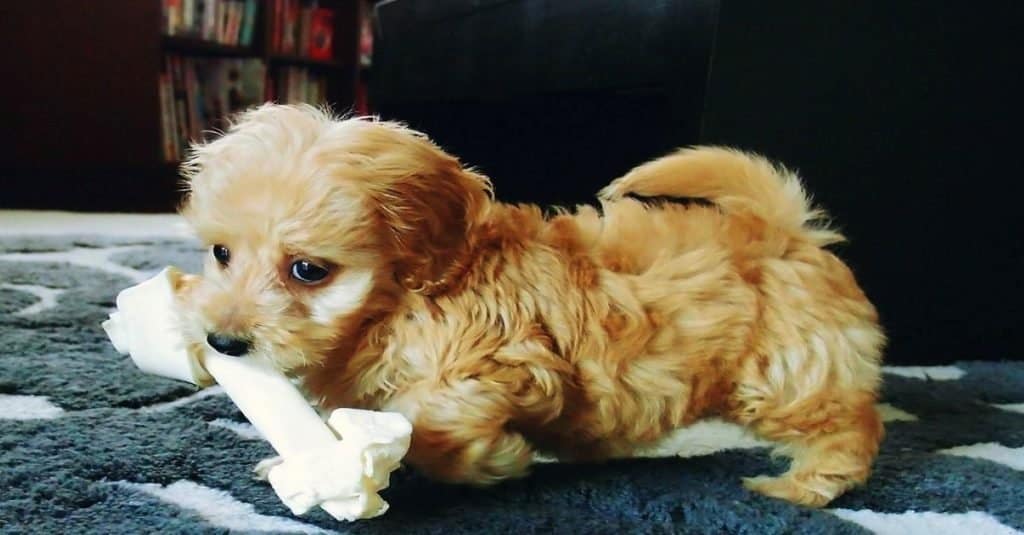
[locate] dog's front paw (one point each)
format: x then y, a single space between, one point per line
262 468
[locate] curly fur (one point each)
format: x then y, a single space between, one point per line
501 331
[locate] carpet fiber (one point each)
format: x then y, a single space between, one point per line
88 444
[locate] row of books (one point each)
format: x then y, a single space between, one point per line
228 22
291 85
197 95
300 28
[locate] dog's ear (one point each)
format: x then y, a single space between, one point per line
428 215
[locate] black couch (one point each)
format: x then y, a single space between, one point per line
898 115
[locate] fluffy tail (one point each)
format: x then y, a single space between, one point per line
735 181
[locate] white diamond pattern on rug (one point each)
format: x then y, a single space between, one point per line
220 509
14 407
47 297
997 453
97 258
933 373
927 523
1012 407
181 402
894 414
242 429
703 438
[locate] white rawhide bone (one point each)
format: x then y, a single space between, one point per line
341 476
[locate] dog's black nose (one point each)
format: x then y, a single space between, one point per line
229 345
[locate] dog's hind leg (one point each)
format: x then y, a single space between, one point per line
829 457
828 425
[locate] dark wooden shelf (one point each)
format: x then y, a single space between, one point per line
115 62
200 47
300 61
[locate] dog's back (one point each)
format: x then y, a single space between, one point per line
751 315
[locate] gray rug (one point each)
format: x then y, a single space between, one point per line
88 444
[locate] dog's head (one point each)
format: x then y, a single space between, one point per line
316 225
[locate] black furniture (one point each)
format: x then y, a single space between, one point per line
899 115
551 98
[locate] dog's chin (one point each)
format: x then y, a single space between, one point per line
288 350
283 358
288 359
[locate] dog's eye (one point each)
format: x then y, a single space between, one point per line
222 254
307 272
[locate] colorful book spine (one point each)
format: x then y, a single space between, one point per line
305 19
209 22
223 13
192 97
234 23
249 23
275 27
321 34
289 26
188 15
172 16
167 126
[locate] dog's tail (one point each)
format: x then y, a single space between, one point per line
735 181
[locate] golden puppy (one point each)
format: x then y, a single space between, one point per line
360 257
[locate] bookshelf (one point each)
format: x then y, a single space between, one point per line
223 56
85 115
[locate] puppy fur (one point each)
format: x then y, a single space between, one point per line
501 331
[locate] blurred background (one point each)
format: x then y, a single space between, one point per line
900 115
